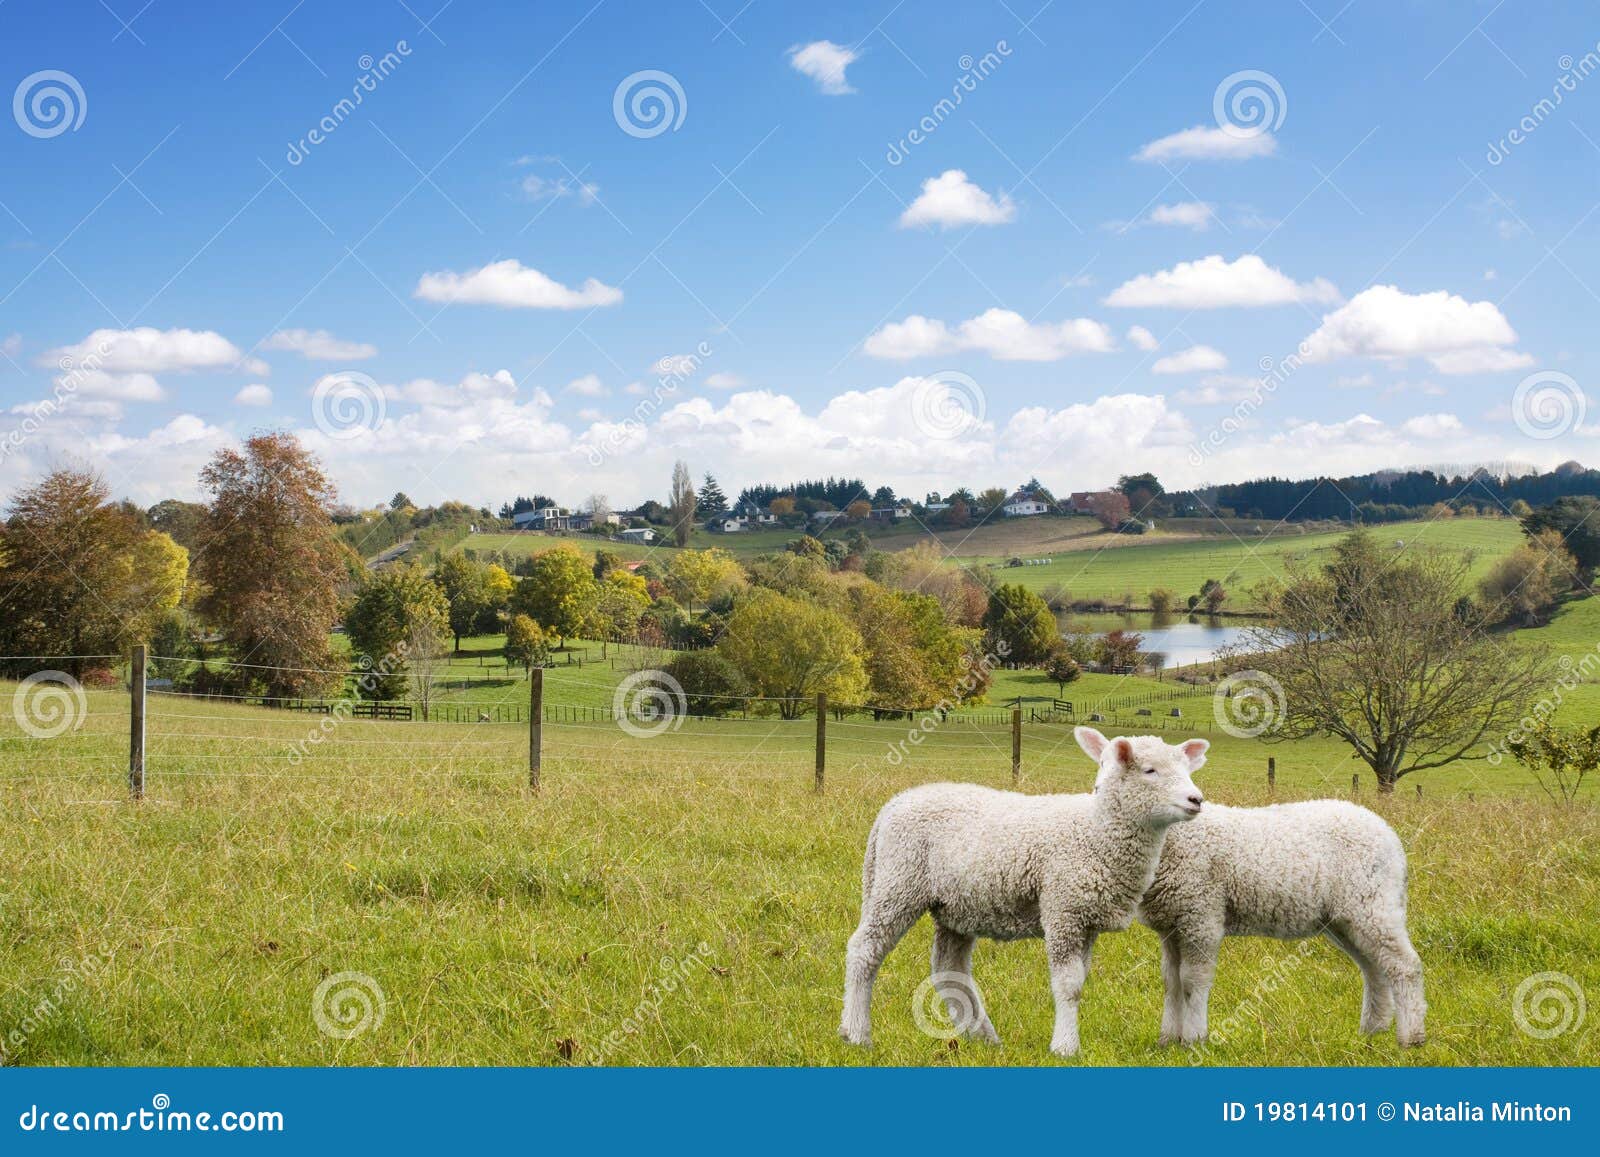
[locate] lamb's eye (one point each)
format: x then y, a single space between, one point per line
1149 771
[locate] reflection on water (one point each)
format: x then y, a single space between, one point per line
1181 638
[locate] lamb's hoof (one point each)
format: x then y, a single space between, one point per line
1066 1049
860 1039
1414 1040
1167 1040
985 1034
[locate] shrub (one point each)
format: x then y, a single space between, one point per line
1161 600
711 685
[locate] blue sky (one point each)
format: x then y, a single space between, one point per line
1077 272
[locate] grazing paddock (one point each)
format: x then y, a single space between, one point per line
507 928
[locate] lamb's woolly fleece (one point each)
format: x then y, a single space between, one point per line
1325 867
1007 866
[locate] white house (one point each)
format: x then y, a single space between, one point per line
637 534
729 524
1022 503
545 518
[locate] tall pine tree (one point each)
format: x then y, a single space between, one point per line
711 499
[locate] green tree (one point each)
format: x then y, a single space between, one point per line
791 651
559 591
622 600
1019 620
913 657
465 583
525 642
711 498
695 577
711 685
397 608
1062 667
681 504
1577 520
1560 758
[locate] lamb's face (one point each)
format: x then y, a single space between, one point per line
1147 777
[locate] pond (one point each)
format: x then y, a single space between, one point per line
1182 639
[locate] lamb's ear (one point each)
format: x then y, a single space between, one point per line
1195 752
1092 742
1122 752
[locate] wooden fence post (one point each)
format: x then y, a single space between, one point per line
1016 746
535 724
822 738
136 679
1272 773
1355 783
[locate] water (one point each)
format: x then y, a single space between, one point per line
1182 639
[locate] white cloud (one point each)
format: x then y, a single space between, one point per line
1203 143
511 285
591 415
11 346
319 345
1214 282
152 351
1142 338
824 62
588 386
1455 335
115 387
255 395
537 188
950 199
1000 333
473 389
1433 426
724 382
1196 215
675 365
1191 361
1218 389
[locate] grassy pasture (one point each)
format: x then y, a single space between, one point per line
506 928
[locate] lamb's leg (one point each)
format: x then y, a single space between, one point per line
1066 945
880 930
1389 948
1171 980
1197 969
1377 999
952 979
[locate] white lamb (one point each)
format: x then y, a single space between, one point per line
1290 871
1007 866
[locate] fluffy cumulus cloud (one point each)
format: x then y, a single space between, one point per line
147 350
1433 426
254 395
1208 143
511 285
1196 215
473 389
951 199
1000 333
1142 338
1214 283
1195 359
588 386
724 381
1456 336
319 345
824 62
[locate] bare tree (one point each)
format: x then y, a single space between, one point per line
681 504
425 656
1387 656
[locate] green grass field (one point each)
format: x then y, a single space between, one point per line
567 927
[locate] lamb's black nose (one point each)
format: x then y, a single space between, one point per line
1197 799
